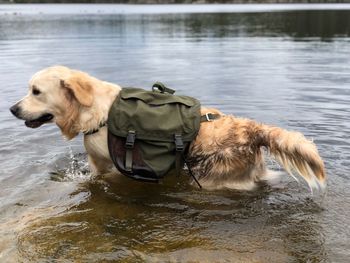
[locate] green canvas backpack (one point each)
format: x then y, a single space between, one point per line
150 131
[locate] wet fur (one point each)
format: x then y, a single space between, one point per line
227 153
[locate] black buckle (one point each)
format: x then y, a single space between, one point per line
209 116
130 140
179 143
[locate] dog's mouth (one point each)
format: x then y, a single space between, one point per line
39 121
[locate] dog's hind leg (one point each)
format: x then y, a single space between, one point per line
224 165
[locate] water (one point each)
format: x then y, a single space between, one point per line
287 68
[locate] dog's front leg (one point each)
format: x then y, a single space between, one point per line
98 155
93 167
98 166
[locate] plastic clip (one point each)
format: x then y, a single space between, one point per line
179 143
130 140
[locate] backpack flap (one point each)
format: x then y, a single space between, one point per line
157 116
140 170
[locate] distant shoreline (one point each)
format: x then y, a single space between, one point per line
161 2
112 9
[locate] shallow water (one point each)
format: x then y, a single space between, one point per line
288 68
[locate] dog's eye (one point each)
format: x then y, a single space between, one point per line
36 92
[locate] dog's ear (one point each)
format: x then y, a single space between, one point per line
79 85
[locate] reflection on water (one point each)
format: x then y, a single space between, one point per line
285 68
322 25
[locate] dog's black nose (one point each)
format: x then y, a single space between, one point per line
14 110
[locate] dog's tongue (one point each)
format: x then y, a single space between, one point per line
33 124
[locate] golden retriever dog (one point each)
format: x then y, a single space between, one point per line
227 152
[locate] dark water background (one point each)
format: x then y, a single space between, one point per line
289 69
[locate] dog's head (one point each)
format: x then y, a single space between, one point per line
56 94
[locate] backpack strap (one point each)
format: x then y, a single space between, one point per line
179 146
129 145
210 117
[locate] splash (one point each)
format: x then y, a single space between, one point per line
75 168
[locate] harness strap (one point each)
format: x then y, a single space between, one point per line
204 118
95 130
210 117
129 145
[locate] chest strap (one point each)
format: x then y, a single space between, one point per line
95 130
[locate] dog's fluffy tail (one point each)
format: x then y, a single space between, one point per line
295 153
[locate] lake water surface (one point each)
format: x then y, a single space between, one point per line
288 68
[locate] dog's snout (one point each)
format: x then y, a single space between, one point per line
15 110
